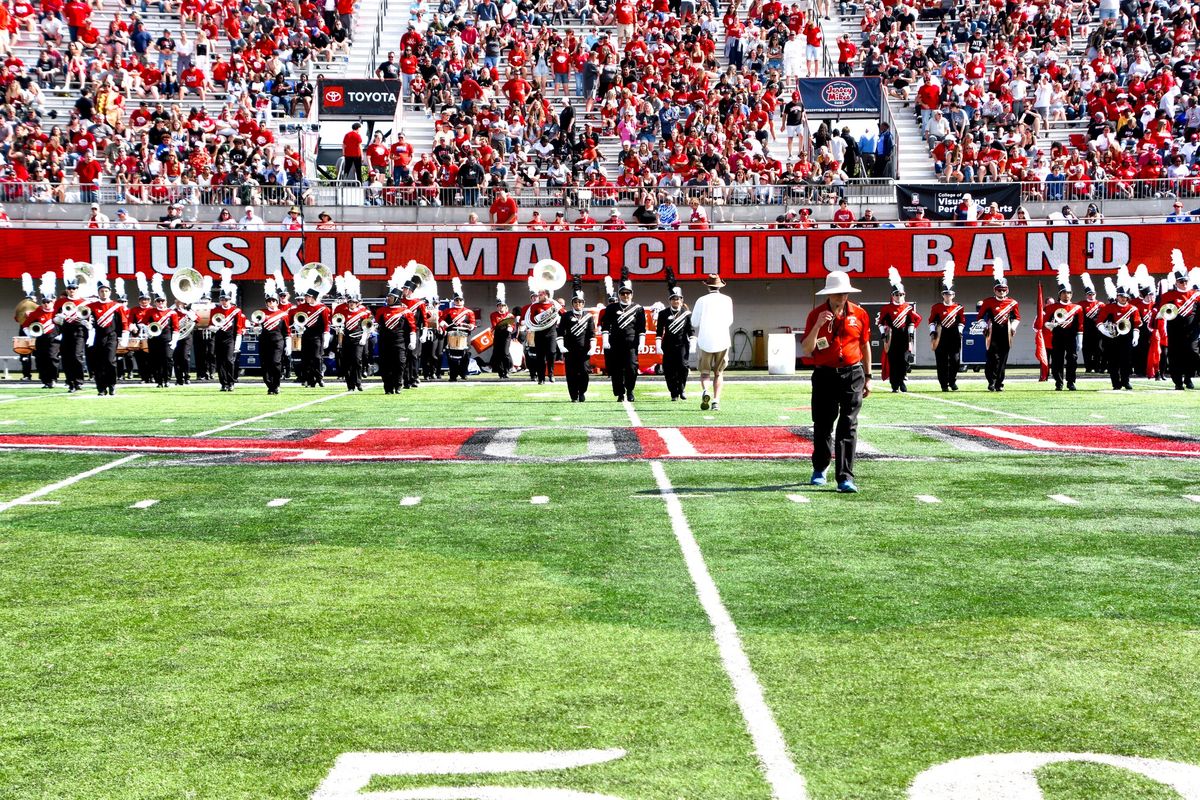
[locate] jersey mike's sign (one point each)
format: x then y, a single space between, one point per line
740 255
357 98
841 97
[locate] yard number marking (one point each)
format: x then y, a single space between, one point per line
344 437
352 772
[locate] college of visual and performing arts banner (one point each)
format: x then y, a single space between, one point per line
357 98
491 256
941 201
841 97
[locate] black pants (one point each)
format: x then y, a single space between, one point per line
312 361
159 357
431 357
837 396
74 337
897 358
577 373
540 357
45 354
1181 361
1093 354
393 366
141 358
204 344
675 368
1063 361
997 358
271 353
501 363
412 367
1119 352
104 360
26 367
352 168
350 362
182 360
225 355
457 360
622 366
948 356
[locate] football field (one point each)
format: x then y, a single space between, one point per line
486 591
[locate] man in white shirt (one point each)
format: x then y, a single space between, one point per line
124 221
712 317
96 218
250 221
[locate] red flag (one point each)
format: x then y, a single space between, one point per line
1039 337
1154 356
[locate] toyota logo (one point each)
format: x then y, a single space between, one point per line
334 96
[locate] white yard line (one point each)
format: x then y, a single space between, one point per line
1064 499
345 436
410 501
1195 498
539 500
54 487
278 501
927 498
677 444
34 397
143 503
634 419
242 422
798 498
976 408
785 781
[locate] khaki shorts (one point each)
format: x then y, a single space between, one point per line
712 362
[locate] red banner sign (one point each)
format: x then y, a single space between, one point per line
592 254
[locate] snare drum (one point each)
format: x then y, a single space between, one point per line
137 344
297 342
24 345
456 341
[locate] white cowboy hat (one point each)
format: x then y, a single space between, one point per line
838 282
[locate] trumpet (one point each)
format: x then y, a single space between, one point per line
300 321
257 317
1060 316
85 313
36 329
368 327
1124 327
1168 311
154 329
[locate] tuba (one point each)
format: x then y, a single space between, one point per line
1168 311
257 317
85 276
318 276
187 285
36 329
428 288
548 275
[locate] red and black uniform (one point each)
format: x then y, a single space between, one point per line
1066 336
625 324
577 333
181 358
946 324
840 372
45 352
312 329
354 340
1093 354
125 362
1181 332
108 323
227 341
1118 350
502 329
159 345
74 330
457 322
138 319
419 320
272 346
897 323
674 331
396 330
1000 316
1141 350
542 319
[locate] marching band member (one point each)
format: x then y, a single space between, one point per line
138 320
106 330
541 318
356 320
503 324
522 334
181 341
624 328
1178 308
125 360
71 318
576 333
946 321
674 327
227 326
1143 287
274 343
285 304
40 324
1122 321
25 305
898 321
1002 315
396 329
418 321
161 325
1093 356
433 343
1064 322
310 320
610 297
456 323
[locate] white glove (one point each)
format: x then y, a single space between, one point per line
58 319
658 347
125 339
641 342
326 338
607 341
91 337
174 340
562 347
1079 344
932 329
427 335
692 345
287 345
1136 336
412 341
237 344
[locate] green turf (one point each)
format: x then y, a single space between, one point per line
211 646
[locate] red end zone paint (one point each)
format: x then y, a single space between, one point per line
722 442
1099 439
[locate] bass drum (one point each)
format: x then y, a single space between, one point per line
517 354
203 316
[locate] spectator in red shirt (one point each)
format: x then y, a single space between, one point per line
843 217
88 172
377 153
352 154
503 210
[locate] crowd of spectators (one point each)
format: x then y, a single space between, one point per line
1082 100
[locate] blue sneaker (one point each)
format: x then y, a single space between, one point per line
817 479
847 487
